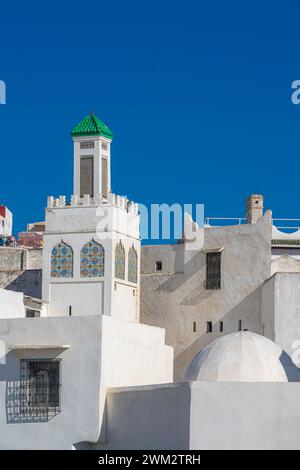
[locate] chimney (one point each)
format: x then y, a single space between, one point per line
255 205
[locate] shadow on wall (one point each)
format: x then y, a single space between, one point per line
29 282
289 367
17 395
248 310
196 265
149 417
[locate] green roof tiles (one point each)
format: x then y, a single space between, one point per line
91 125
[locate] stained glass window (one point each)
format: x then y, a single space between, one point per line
92 260
120 261
132 265
62 261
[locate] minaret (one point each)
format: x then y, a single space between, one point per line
91 252
92 139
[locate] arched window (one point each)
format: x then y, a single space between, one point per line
132 265
92 260
120 261
62 261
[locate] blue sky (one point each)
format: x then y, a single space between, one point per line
196 93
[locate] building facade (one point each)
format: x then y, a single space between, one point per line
6 221
90 309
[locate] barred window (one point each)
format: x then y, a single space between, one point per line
120 261
89 144
92 260
213 270
132 265
62 260
40 384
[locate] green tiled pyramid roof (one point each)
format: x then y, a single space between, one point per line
91 125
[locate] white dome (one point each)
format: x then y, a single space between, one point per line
242 357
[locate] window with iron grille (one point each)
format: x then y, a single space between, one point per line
87 145
213 270
40 385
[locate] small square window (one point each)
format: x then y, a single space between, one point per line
158 266
208 327
87 144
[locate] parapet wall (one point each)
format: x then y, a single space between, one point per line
20 259
88 201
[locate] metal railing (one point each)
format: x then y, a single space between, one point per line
235 220
277 222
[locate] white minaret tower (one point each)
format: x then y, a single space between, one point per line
92 139
91 254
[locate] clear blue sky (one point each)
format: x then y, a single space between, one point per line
197 94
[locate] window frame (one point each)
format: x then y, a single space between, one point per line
27 406
213 273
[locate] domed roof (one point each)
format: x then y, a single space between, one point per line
242 357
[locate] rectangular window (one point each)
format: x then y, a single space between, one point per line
158 266
104 177
104 146
240 325
213 270
194 327
89 144
87 175
221 326
40 384
208 327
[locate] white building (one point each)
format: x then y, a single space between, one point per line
55 369
6 221
90 363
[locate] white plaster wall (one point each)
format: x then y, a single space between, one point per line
287 313
204 415
125 303
134 354
285 263
11 304
268 308
239 416
77 226
103 352
80 381
176 297
153 417
85 299
83 286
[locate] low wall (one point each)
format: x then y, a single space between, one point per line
204 415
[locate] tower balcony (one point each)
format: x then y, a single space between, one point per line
86 200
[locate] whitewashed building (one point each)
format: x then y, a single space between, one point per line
6 221
55 368
105 344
